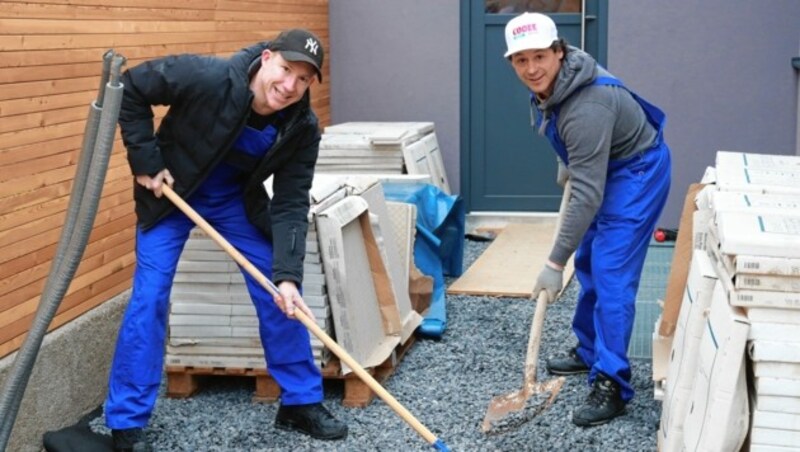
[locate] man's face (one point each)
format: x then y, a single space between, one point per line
538 69
279 83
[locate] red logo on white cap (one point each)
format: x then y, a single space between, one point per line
524 29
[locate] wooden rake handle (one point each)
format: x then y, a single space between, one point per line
305 320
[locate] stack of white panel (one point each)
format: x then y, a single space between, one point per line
382 148
212 321
753 242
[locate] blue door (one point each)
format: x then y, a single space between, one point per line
506 165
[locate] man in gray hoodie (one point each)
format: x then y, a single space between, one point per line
610 144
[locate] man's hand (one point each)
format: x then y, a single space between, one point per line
563 174
290 300
551 279
155 183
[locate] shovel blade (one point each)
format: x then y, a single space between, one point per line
504 406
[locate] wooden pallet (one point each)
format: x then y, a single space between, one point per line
183 381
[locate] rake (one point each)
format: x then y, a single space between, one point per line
337 350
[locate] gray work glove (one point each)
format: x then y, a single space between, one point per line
551 280
563 174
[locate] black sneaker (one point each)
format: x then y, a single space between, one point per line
130 440
603 403
313 420
571 364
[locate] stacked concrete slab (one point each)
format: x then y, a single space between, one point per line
382 148
749 220
212 321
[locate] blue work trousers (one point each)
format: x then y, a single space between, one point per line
138 359
609 261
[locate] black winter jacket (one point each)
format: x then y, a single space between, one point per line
209 102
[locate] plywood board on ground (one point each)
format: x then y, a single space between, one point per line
509 267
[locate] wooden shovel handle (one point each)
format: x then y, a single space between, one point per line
535 338
304 319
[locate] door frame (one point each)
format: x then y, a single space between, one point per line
598 26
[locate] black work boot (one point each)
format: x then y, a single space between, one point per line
571 364
130 440
603 403
313 420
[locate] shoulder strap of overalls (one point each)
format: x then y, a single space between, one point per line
655 116
551 130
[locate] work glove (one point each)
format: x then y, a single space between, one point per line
562 175
550 280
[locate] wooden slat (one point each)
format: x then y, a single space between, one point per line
26 199
31 281
79 282
34 27
77 12
95 54
19 248
42 119
25 169
247 21
14 89
36 104
118 281
69 136
44 178
56 206
43 134
173 4
68 315
45 238
108 205
46 254
255 6
25 145
117 40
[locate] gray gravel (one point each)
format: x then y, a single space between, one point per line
446 384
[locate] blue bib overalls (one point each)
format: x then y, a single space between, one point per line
610 257
138 359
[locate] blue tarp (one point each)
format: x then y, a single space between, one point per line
439 244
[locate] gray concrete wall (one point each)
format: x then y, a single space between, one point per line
70 376
720 69
398 61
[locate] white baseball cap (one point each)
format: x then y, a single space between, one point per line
530 31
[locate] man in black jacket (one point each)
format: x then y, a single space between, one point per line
231 124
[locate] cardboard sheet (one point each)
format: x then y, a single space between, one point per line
509 267
681 257
365 315
397 267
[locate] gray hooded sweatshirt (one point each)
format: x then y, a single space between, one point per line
596 124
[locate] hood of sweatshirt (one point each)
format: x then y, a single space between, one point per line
577 69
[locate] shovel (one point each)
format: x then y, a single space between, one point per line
500 407
373 384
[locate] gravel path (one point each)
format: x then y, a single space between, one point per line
445 384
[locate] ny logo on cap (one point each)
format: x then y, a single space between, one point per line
312 45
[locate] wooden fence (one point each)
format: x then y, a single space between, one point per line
50 64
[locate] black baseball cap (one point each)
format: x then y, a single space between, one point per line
299 44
